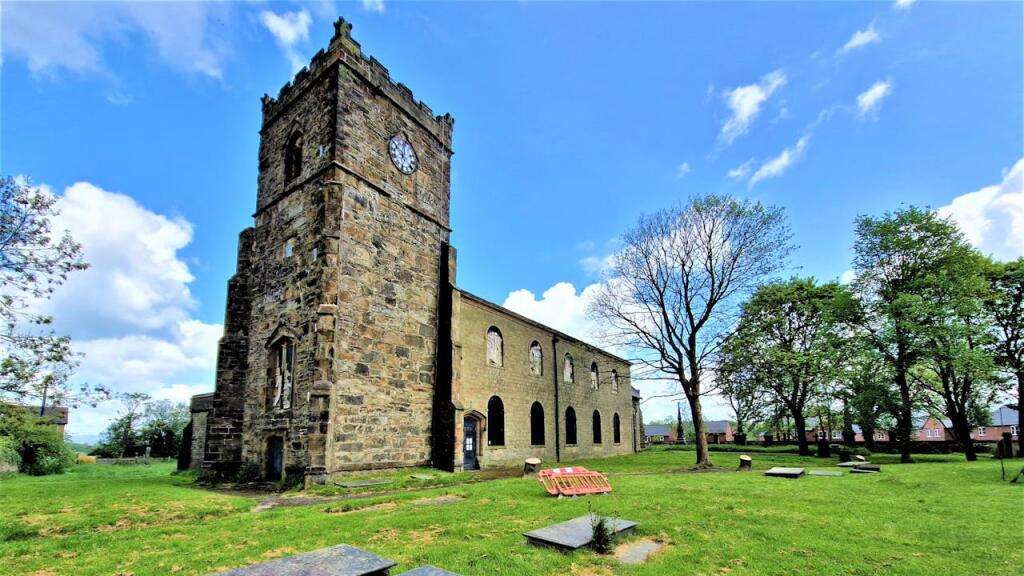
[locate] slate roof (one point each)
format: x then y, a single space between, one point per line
656 429
1004 416
56 414
716 426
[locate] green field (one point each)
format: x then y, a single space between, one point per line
940 516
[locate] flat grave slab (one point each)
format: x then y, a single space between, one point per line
866 466
576 533
362 483
784 472
422 476
825 473
428 571
638 552
846 464
341 560
863 471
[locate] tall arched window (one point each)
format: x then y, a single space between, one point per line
570 426
568 370
495 347
537 424
615 381
536 359
281 374
293 156
593 376
597 427
495 422
616 435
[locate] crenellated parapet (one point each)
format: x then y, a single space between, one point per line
346 51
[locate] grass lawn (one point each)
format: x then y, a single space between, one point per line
941 516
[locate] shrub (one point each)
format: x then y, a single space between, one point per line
37 442
293 476
10 460
247 472
602 537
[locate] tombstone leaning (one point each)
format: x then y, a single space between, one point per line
745 462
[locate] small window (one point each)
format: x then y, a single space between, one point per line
495 422
570 426
981 430
568 370
293 157
594 377
495 347
289 248
597 427
1013 430
837 434
615 381
280 379
616 434
536 359
537 424
313 254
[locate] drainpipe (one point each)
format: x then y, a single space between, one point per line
558 410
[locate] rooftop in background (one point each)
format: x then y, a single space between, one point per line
56 414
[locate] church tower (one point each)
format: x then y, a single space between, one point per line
340 308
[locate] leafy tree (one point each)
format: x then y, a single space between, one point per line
40 448
1005 303
901 261
37 362
866 390
163 423
738 383
674 289
787 344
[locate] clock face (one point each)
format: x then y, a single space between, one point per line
403 155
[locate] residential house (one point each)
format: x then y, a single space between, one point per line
659 434
718 431
1001 420
56 415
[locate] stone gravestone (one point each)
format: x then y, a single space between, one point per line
823 448
767 441
342 560
844 454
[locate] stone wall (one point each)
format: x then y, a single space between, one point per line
477 381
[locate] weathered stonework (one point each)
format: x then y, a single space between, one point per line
339 348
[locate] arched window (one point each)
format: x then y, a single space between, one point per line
616 435
495 347
593 376
570 426
536 359
597 427
293 156
568 370
281 367
615 381
495 422
537 424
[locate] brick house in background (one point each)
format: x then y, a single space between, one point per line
718 431
1004 419
56 415
659 434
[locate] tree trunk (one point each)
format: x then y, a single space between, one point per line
869 437
904 418
801 433
1020 414
962 429
700 440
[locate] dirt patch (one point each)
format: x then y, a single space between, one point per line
348 508
278 552
575 570
427 535
439 500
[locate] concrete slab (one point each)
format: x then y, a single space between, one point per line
342 560
784 472
863 471
638 552
846 464
866 466
428 571
576 533
825 473
362 483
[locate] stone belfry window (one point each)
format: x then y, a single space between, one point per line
293 156
615 381
495 347
593 376
536 359
568 370
282 374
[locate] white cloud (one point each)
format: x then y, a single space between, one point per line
373 5
742 171
777 166
992 218
745 103
903 4
847 277
860 39
597 265
559 307
683 169
869 101
130 313
54 37
289 29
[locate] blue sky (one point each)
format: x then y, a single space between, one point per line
571 120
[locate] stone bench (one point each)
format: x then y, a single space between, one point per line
342 560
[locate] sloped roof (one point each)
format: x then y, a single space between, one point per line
716 426
1004 416
656 430
56 414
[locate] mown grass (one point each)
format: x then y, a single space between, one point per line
939 516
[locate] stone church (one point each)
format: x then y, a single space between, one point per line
347 344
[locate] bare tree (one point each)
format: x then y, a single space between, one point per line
673 291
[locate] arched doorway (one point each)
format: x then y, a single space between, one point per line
471 426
